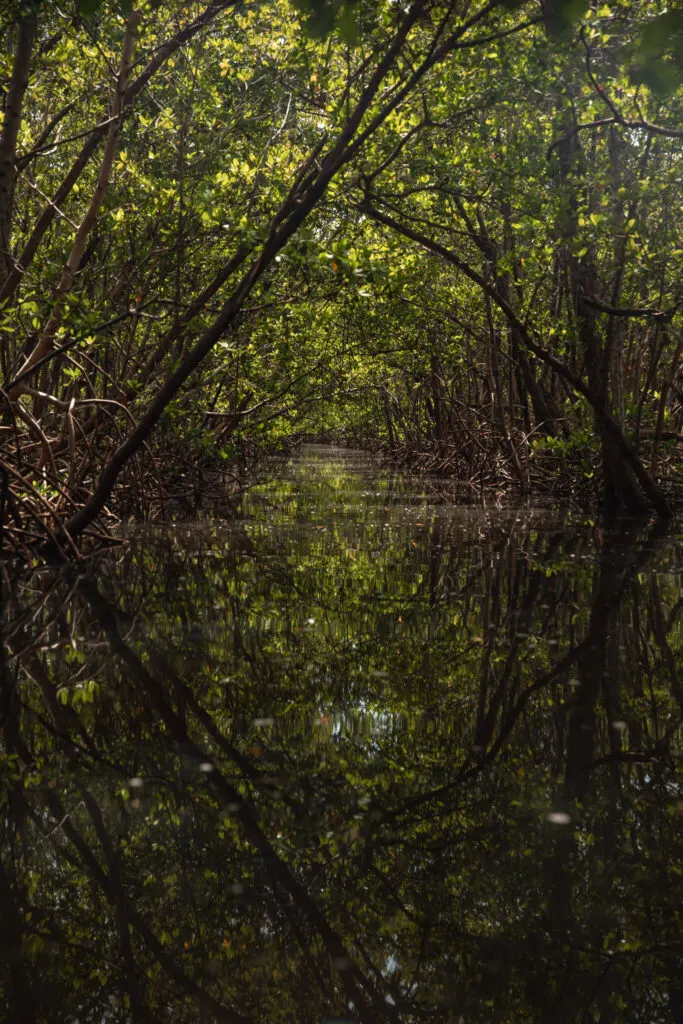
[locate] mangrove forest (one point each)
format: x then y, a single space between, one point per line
341 559
449 230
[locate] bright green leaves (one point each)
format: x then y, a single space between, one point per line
90 8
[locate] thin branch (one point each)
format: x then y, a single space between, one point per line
662 315
641 124
598 123
607 423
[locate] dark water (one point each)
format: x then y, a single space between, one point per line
364 755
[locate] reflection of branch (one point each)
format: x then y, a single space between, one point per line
12 937
631 756
63 821
370 1006
523 616
659 629
601 613
117 895
599 619
114 892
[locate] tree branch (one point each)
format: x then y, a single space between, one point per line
607 423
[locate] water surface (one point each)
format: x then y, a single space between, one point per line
365 754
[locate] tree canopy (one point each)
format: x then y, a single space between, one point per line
448 228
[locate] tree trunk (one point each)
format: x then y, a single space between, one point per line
10 133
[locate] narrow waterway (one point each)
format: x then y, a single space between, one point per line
368 753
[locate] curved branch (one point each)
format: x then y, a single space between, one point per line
607 423
166 50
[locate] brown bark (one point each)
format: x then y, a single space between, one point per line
304 196
46 341
10 133
625 467
137 86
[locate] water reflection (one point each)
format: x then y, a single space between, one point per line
362 755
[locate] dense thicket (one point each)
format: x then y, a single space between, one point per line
449 227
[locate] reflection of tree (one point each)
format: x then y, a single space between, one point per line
384 842
595 705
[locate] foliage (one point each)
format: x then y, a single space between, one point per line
365 747
227 226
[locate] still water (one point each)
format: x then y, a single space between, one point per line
365 754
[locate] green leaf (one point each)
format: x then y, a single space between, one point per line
347 24
88 8
562 15
660 76
321 23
